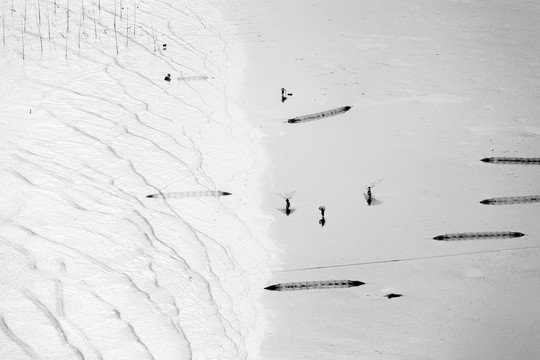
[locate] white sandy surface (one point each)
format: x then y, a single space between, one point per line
435 86
89 267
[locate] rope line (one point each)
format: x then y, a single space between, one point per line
407 259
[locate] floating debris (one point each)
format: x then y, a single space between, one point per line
512 160
191 78
511 200
391 296
479 235
188 194
309 285
320 115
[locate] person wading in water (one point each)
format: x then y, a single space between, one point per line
369 199
287 206
323 220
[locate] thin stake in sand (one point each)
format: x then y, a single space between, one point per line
22 38
127 27
115 34
48 22
79 37
94 16
3 24
67 28
135 18
153 34
40 38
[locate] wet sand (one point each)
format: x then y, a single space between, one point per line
434 88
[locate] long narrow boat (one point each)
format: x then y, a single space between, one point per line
479 236
512 160
184 194
320 115
511 200
309 285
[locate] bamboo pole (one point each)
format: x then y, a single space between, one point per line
127 26
115 34
67 27
3 24
153 34
94 16
48 21
79 36
22 38
135 19
40 38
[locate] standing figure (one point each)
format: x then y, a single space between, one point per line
287 206
284 94
368 196
287 197
323 220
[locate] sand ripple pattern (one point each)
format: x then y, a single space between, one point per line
89 269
